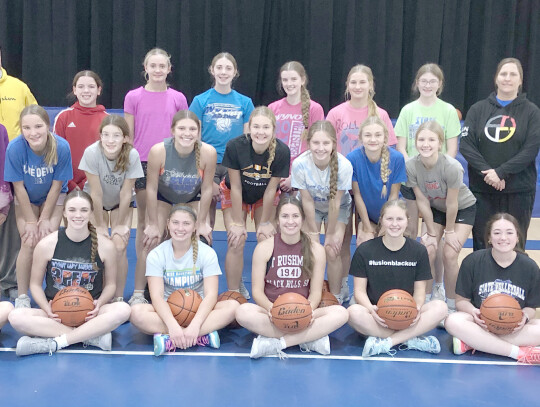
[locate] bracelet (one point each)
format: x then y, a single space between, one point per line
312 233
446 232
31 222
430 235
264 223
238 224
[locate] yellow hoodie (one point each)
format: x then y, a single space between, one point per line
14 97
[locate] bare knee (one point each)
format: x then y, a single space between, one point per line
19 319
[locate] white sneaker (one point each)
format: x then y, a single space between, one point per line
321 345
104 342
263 346
30 346
22 301
376 346
438 292
137 299
422 343
243 290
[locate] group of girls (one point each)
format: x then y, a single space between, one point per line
288 169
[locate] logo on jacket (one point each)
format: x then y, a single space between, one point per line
500 128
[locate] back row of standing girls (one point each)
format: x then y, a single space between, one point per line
248 183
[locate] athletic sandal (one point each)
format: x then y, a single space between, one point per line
460 347
30 346
104 342
321 345
376 346
263 346
422 343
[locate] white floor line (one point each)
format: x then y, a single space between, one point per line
293 356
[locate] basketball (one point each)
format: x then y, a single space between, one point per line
291 313
397 308
72 305
232 295
327 299
184 304
501 313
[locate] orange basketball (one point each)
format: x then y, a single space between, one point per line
232 295
501 313
72 305
291 312
327 299
184 304
397 308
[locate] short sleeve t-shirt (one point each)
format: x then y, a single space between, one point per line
22 164
368 177
153 113
94 162
222 117
480 275
178 273
290 123
386 269
306 175
414 114
240 156
434 182
347 120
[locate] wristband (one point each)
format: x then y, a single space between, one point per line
238 224
31 222
446 232
264 223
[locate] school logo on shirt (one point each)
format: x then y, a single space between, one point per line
500 129
501 286
72 273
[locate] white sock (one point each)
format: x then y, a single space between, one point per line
451 303
61 342
138 293
514 353
283 343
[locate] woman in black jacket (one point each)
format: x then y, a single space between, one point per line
500 141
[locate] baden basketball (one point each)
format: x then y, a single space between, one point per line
72 305
327 299
184 304
232 295
291 312
397 308
501 313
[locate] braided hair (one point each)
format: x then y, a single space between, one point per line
326 127
194 240
304 93
385 152
76 193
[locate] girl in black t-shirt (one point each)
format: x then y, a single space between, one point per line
48 333
502 268
291 247
256 162
392 261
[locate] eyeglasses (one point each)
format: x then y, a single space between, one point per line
432 82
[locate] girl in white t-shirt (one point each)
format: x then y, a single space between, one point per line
295 112
111 166
323 177
183 262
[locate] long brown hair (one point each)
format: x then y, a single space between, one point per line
122 161
266 112
307 252
513 221
51 147
188 114
76 193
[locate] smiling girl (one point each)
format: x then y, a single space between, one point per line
183 262
79 124
295 113
38 164
111 166
292 247
74 256
148 110
393 261
444 201
378 172
501 268
224 114
256 162
323 177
